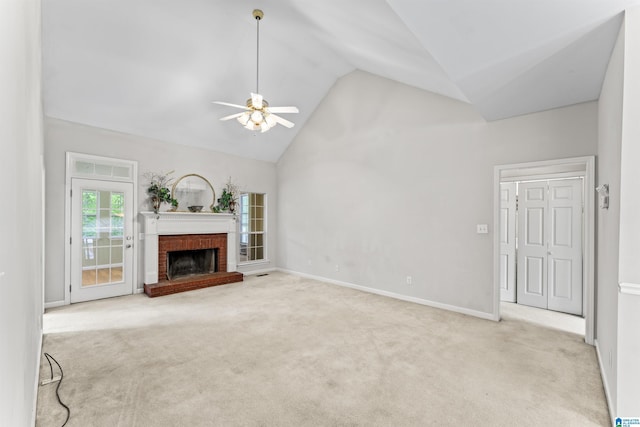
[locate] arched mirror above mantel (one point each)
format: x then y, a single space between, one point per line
194 193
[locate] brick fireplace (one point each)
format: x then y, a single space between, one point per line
173 232
191 242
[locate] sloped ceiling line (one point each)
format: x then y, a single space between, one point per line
152 68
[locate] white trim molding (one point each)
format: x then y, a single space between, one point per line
100 168
34 413
605 382
629 288
53 304
456 309
256 272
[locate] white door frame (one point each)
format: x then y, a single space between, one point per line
79 165
575 164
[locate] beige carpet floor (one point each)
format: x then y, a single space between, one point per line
281 350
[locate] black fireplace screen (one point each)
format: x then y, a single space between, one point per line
189 263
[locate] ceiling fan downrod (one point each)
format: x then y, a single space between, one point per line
258 15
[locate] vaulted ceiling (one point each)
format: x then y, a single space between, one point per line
152 67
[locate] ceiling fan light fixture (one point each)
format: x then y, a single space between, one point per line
244 118
258 115
270 120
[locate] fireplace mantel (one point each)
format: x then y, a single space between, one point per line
175 223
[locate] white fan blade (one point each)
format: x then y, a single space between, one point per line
244 107
232 116
256 100
283 122
284 109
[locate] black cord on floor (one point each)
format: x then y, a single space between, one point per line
49 359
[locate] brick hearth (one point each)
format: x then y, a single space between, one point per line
166 287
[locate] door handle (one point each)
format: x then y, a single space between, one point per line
128 246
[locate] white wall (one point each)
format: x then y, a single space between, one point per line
151 155
22 212
618 284
387 181
608 223
629 274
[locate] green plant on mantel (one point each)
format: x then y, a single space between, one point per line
158 189
229 197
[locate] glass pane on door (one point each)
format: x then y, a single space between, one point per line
102 237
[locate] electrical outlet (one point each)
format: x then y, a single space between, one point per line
337 267
482 228
409 280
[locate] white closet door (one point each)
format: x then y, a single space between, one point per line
508 241
565 246
532 244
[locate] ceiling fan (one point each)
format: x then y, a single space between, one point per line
258 115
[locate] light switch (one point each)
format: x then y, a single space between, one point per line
482 228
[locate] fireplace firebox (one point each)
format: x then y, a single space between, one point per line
190 263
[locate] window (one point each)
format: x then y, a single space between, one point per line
102 237
252 227
102 211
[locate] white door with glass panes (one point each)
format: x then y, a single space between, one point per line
101 239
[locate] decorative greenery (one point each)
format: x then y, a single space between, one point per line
229 197
225 200
159 188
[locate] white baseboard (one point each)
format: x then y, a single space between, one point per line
461 310
53 304
605 383
254 272
34 412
